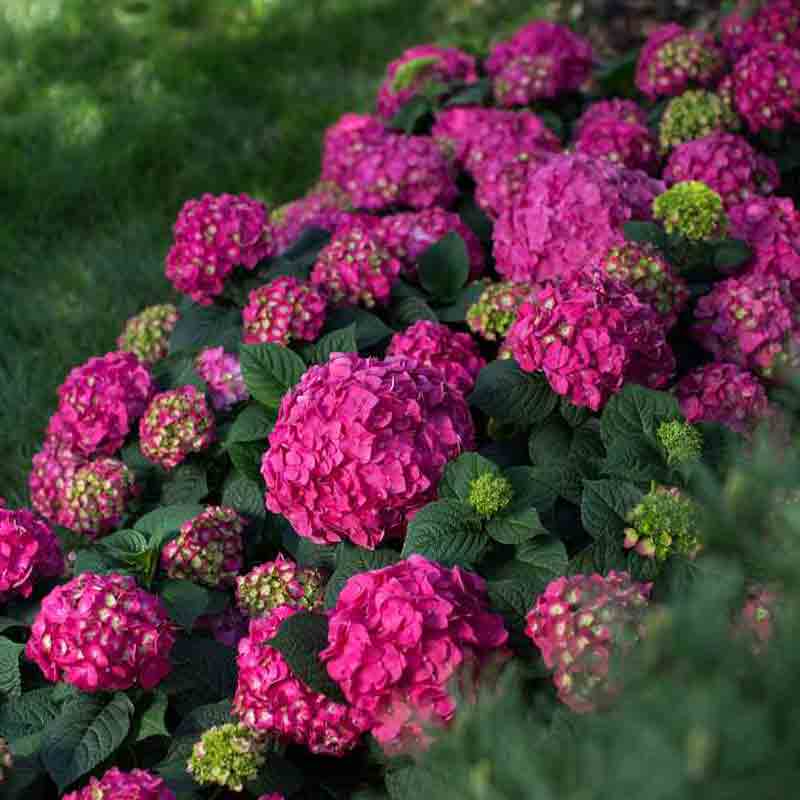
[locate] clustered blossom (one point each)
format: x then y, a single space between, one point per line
723 393
725 163
222 373
616 108
752 321
694 115
673 58
102 633
138 784
355 266
29 550
175 424
590 335
502 179
664 523
496 309
147 334
208 549
398 637
579 623
99 403
489 494
271 699
541 60
421 70
345 143
774 21
626 144
435 345
682 442
226 755
279 583
213 236
649 277
408 235
283 310
570 213
692 210
360 445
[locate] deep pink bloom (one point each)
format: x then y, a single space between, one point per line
283 310
102 633
99 403
590 335
501 181
360 445
626 144
616 108
223 375
117 785
345 143
271 699
53 468
774 22
398 638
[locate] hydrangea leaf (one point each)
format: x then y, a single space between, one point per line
244 495
634 459
605 504
473 94
731 253
636 411
550 442
10 678
166 520
270 371
513 589
206 326
574 415
532 488
186 601
411 310
342 340
6 623
277 775
351 560
545 553
457 311
203 669
410 117
444 267
445 532
152 719
414 782
515 525
246 457
370 329
645 233
187 483
459 474
177 370
253 423
24 719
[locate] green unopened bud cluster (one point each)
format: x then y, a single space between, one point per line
228 755
691 210
489 494
696 113
663 524
682 442
496 309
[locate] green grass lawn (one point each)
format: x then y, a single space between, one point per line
114 113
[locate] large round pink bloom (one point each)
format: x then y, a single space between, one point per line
501 181
283 310
102 633
590 335
99 402
626 144
53 468
222 373
360 445
775 22
117 785
570 213
345 143
616 108
271 699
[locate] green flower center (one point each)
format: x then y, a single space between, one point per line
489 494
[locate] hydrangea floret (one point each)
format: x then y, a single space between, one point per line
496 309
147 334
283 310
227 755
279 583
52 470
693 115
502 179
138 784
489 494
222 373
681 441
626 144
692 210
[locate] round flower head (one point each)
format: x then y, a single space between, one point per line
223 376
279 583
6 760
579 624
539 61
681 442
271 699
137 784
723 393
616 108
752 321
355 267
29 550
283 310
649 277
496 309
345 142
489 494
590 335
360 445
96 497
694 115
175 424
226 755
53 468
501 180
570 213
627 144
147 334
213 236
408 235
398 638
725 163
664 523
102 633
208 550
423 70
691 210
434 345
774 22
674 58
99 402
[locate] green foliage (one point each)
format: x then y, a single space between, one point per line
269 371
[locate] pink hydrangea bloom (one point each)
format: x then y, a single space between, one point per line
627 144
408 235
569 214
146 335
752 321
434 345
213 236
500 181
29 550
223 375
539 61
579 624
725 163
271 699
775 22
117 785
99 402
360 445
590 335
420 69
102 633
283 310
725 393
673 58
345 143
615 108
496 309
208 550
279 583
765 87
398 638
175 424
355 267
53 468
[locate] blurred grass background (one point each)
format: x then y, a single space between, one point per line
113 113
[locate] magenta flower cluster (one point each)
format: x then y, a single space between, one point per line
616 108
276 583
138 784
222 373
626 144
774 22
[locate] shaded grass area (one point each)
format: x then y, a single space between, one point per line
113 113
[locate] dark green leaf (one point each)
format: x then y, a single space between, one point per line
468 296
342 340
731 253
10 678
514 593
370 330
206 326
307 246
203 667
550 442
574 415
515 524
152 720
445 531
408 783
546 553
459 474
177 370
605 505
617 76
532 488
270 371
243 494
412 310
444 267
277 775
409 118
185 484
23 720
505 392
634 459
246 457
474 94
186 601
636 411
7 622
123 544
162 522
645 232
351 560
89 560
253 423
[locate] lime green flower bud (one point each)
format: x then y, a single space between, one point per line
692 210
694 114
227 755
408 73
681 441
489 494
